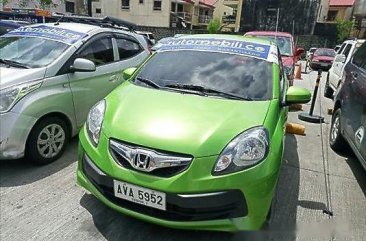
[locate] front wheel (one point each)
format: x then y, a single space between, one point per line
47 140
336 140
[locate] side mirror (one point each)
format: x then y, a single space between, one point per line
127 73
297 95
340 58
299 51
82 65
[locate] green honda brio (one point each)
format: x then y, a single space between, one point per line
194 139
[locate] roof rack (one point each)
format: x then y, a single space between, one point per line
109 22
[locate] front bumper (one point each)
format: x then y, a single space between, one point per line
241 201
14 130
320 65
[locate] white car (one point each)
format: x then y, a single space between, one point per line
335 73
148 35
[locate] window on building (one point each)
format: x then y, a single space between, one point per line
100 51
125 4
141 1
69 6
127 48
157 5
173 4
98 10
332 15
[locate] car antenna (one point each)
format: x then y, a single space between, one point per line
58 21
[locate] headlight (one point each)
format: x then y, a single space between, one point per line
10 96
246 150
289 70
95 120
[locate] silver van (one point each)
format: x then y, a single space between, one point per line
51 75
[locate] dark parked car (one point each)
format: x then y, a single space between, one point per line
322 59
349 116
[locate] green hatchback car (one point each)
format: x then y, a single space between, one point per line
194 139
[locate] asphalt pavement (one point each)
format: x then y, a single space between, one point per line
321 196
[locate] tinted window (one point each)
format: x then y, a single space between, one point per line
347 49
239 75
33 52
99 51
325 52
127 48
359 58
341 49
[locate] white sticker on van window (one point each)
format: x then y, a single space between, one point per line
54 33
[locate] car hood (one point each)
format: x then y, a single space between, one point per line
288 61
177 122
13 76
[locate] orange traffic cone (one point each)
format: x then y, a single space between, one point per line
298 72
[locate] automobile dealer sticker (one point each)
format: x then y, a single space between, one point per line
54 33
232 46
140 195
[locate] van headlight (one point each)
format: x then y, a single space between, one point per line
244 151
11 95
94 121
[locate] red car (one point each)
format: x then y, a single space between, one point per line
322 59
289 53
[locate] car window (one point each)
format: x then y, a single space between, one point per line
127 48
359 58
235 74
151 36
100 51
347 50
341 49
325 52
283 43
30 51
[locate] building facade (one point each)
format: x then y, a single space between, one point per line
229 12
158 13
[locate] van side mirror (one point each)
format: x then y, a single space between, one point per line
297 95
82 65
340 58
127 73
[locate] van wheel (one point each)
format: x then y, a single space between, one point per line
328 92
336 140
47 140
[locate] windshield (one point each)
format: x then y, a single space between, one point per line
325 52
238 75
283 43
30 51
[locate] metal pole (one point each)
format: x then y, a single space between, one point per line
315 92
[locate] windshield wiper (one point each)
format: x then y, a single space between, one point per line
148 82
206 90
14 63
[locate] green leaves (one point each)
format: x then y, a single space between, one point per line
214 26
344 29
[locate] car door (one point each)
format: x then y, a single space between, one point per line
354 108
90 87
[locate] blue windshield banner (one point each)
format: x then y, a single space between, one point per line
218 45
54 33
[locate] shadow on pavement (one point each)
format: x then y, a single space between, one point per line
358 171
21 172
115 226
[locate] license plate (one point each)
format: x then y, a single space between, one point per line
323 64
140 195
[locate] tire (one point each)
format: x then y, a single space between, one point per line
336 140
328 92
47 141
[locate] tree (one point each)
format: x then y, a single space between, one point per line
344 29
23 3
214 26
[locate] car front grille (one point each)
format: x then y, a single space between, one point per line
167 171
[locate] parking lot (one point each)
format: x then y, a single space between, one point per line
45 203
